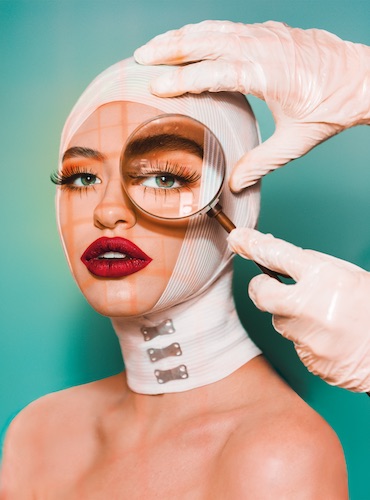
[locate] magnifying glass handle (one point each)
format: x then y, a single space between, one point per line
217 213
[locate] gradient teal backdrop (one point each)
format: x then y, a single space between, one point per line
50 338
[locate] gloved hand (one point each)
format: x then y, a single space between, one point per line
314 83
325 313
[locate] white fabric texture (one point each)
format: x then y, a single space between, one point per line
197 298
213 343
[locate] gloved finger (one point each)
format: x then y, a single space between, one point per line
255 29
160 49
212 76
270 295
343 264
286 144
286 326
209 25
279 323
146 54
309 359
273 253
198 46
187 48
263 159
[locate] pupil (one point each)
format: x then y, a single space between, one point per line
87 179
165 181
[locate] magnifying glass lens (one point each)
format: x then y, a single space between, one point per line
172 167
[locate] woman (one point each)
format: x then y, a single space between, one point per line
198 413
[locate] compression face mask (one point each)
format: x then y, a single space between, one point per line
200 284
230 119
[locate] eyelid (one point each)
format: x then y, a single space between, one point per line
157 167
66 176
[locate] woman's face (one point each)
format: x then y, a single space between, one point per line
121 259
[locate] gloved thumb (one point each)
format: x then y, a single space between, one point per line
287 143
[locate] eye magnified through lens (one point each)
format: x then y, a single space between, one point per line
173 167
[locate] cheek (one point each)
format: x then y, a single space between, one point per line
164 253
75 215
166 245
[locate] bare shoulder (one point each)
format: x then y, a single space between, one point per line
48 429
282 449
294 455
64 407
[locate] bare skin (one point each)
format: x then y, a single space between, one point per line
246 436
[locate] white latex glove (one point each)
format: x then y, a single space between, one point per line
314 83
326 313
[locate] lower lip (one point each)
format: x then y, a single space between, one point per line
116 268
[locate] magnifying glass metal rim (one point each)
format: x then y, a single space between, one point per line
203 210
212 208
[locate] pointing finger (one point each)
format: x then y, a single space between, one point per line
271 252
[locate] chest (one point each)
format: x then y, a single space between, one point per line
179 464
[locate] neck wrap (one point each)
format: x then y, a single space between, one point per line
189 345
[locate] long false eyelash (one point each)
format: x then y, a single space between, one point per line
68 174
176 170
56 178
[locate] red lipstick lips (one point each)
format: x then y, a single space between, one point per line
114 258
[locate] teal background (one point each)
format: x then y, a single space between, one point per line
50 338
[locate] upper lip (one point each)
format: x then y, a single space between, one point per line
116 244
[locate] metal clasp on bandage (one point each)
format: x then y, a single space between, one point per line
164 328
171 350
178 373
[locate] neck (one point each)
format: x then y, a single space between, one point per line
187 346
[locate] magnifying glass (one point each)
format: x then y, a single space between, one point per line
173 167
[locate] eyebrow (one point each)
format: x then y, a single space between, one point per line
166 142
78 151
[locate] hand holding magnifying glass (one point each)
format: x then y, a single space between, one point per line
173 168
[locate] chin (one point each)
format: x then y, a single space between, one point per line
119 312
127 297
121 307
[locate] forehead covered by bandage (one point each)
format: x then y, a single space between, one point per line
204 255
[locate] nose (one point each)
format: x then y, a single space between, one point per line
114 208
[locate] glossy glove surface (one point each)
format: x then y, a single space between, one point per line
326 313
314 83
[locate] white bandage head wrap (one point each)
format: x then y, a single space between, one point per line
196 310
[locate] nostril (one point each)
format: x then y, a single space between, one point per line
114 208
109 215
